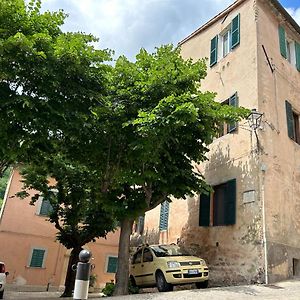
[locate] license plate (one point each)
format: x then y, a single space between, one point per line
193 272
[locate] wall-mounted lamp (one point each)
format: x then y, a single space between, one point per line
254 119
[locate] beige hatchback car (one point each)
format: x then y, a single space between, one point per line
165 266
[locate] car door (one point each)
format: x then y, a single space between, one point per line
136 267
148 267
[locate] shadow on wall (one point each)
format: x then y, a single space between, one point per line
234 253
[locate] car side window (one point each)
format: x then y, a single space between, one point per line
147 257
137 257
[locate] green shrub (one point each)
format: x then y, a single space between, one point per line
110 287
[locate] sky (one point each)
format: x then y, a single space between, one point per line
126 26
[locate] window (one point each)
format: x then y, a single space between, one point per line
219 207
164 216
225 43
289 49
45 208
225 127
137 257
292 123
112 264
37 258
147 257
229 39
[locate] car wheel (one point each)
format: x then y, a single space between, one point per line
1 294
162 284
132 281
202 285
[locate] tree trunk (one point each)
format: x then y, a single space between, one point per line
122 275
70 277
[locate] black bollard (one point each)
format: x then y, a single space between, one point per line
81 289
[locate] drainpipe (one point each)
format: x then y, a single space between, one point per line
263 169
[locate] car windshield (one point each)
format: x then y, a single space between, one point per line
168 250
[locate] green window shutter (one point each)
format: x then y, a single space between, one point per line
290 120
233 101
235 31
230 203
282 41
204 214
112 264
37 258
46 207
214 51
297 51
164 215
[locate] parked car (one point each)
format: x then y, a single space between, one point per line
165 266
3 276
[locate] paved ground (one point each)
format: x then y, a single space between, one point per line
288 290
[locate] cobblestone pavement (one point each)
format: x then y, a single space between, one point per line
288 290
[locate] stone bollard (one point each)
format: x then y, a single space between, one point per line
81 289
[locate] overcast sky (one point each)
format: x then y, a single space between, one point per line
128 25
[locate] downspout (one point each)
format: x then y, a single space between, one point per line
263 170
6 195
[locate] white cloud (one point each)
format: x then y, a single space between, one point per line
128 25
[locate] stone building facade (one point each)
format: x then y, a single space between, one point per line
248 229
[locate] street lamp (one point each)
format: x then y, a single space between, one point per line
254 119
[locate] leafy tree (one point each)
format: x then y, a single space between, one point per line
77 210
48 79
150 130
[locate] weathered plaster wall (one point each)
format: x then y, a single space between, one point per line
281 155
234 253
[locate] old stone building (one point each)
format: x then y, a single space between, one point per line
248 229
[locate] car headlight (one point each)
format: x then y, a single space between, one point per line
173 264
202 262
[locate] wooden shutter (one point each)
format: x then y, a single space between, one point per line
233 101
290 120
112 264
235 31
297 51
214 51
204 214
282 41
164 216
230 205
37 258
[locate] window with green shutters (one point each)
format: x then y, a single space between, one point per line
297 54
235 32
37 258
282 41
228 39
214 51
225 128
223 203
164 216
292 123
46 207
112 264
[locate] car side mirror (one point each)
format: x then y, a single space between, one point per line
6 273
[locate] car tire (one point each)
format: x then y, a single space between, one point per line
162 284
132 281
1 294
202 284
